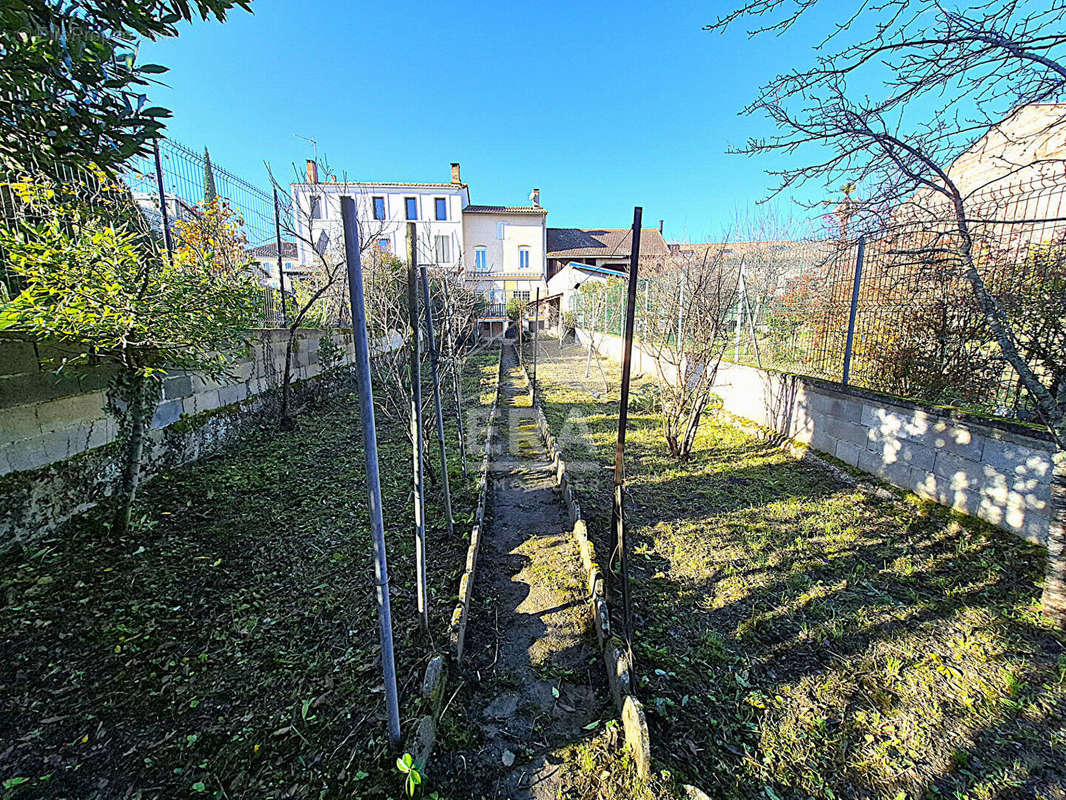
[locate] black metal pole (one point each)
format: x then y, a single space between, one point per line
536 326
164 214
432 345
854 309
617 515
370 450
416 430
281 272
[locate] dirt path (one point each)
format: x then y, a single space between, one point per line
534 680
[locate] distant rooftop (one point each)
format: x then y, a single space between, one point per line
603 242
288 250
471 209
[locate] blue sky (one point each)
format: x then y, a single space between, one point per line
603 106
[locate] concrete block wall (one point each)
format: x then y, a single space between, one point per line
45 417
54 429
993 469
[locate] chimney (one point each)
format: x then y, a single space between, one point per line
660 227
312 171
455 173
535 197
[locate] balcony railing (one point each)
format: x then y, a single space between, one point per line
495 310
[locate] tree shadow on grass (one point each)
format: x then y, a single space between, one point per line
797 639
823 640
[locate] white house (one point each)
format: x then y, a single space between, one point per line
499 250
383 210
266 258
505 255
565 285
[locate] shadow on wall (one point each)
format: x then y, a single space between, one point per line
996 470
781 395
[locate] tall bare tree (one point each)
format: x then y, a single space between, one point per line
943 77
685 322
323 296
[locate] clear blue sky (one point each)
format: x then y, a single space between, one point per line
603 106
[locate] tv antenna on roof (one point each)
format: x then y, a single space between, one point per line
314 143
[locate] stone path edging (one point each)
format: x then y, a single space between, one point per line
420 745
615 655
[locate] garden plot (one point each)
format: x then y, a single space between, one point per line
798 638
228 647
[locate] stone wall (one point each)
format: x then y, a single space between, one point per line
56 457
993 469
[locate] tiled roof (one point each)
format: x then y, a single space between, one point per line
781 247
472 209
603 242
288 250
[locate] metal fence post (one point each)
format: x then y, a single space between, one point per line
456 364
751 327
740 315
370 451
854 309
281 272
163 213
536 328
617 510
416 432
680 312
432 345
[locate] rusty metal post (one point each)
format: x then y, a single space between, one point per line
617 511
536 326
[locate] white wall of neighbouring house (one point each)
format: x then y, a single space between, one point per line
503 236
567 282
391 231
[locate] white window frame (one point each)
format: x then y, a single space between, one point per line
442 249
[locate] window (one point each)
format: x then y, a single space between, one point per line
412 207
442 207
443 249
316 207
522 295
288 265
500 229
480 264
383 245
523 257
379 208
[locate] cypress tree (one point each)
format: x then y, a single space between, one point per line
210 194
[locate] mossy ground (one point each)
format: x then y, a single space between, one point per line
228 646
796 638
